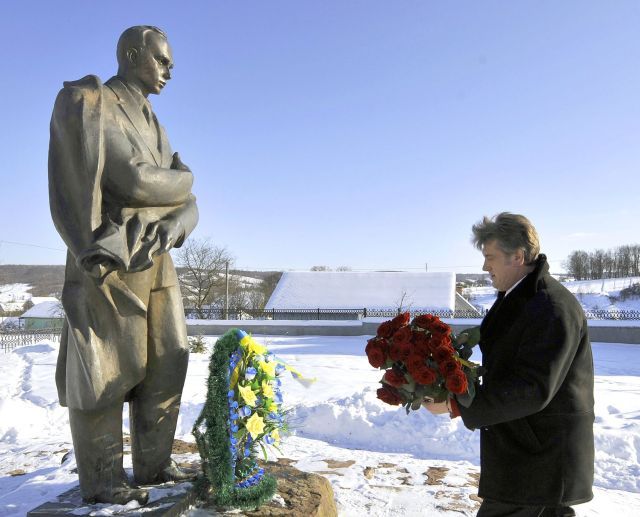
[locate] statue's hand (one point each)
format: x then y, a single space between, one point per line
168 231
176 163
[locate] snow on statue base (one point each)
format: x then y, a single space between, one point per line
168 500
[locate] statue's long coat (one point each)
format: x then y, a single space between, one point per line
535 404
103 349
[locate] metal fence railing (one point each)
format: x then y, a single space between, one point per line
357 314
13 338
604 314
318 314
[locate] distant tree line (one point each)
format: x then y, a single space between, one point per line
327 268
613 263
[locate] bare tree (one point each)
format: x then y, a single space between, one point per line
320 268
578 265
343 268
614 263
596 264
404 302
256 300
635 259
203 265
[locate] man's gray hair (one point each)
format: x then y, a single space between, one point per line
134 37
512 232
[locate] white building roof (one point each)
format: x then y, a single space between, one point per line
39 299
45 310
373 290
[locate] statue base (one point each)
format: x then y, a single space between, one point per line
165 501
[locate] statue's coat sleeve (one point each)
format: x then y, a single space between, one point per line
98 361
76 161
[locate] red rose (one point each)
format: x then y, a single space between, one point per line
394 378
414 362
425 375
399 351
390 395
441 340
385 329
437 327
442 354
400 320
424 321
448 367
457 382
376 353
403 335
420 336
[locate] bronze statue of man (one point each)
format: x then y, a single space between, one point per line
120 200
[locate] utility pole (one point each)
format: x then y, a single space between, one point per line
426 267
226 290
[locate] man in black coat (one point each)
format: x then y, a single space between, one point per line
534 406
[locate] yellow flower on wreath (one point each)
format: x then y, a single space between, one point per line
252 346
268 368
267 389
275 434
255 425
272 406
247 395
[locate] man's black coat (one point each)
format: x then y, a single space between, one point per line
535 404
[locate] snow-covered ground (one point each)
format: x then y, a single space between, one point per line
379 460
14 293
13 296
592 294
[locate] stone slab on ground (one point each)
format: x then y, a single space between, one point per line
165 501
298 493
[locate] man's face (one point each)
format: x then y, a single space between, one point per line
153 64
505 270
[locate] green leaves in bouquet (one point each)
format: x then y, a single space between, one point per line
433 391
470 338
466 340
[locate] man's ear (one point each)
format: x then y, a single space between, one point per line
518 257
132 55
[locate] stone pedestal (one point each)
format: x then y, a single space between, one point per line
166 501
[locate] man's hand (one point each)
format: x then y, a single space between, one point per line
167 230
462 338
435 408
176 163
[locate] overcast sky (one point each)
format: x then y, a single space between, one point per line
369 134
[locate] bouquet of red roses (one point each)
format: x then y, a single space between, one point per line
421 359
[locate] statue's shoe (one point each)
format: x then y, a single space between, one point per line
121 495
173 472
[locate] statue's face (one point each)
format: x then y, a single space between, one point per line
152 64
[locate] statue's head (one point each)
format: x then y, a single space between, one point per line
144 58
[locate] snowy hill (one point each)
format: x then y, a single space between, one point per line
606 294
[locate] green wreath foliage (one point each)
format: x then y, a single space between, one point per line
223 472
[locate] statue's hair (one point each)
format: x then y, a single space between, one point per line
134 37
512 232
